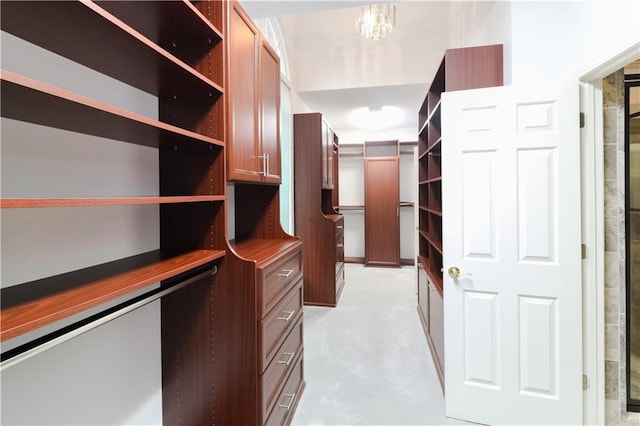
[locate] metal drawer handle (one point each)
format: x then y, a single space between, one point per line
286 273
288 406
288 314
339 245
340 227
288 361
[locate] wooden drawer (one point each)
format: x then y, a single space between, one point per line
273 329
276 280
287 400
280 367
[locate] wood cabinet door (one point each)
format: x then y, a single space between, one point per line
242 159
270 114
325 159
382 215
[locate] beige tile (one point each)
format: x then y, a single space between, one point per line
611 238
610 127
611 382
611 269
611 307
611 203
611 412
611 342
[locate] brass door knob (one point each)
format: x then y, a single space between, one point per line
454 272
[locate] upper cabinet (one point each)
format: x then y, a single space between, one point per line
254 103
269 113
329 148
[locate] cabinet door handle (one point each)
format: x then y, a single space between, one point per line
265 164
288 361
288 316
340 226
339 245
285 273
292 397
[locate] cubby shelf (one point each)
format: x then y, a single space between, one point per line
29 100
27 307
109 45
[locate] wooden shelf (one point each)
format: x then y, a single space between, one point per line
32 101
27 307
434 114
436 279
351 207
17 203
262 251
164 22
435 147
107 45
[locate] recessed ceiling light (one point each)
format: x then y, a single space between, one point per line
376 118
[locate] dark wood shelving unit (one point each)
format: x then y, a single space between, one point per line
175 51
460 69
318 221
110 45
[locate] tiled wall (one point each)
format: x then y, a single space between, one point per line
614 223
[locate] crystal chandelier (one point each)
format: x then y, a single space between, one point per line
376 21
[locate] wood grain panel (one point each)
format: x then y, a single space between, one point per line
382 219
68 294
316 220
242 124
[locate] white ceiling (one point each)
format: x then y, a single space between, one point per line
334 70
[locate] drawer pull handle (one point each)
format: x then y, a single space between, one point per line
339 245
285 273
340 226
288 314
292 397
288 361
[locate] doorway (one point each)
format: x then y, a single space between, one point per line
632 234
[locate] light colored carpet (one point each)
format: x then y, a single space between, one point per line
367 361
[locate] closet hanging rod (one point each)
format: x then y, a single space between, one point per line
22 353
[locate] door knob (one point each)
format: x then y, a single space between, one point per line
455 272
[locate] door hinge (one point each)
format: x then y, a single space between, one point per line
584 251
582 120
585 382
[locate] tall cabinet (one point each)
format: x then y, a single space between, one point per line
460 69
258 314
174 52
317 220
382 203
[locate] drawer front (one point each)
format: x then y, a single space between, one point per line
287 400
280 367
273 329
276 280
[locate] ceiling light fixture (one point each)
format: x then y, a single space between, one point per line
376 21
376 118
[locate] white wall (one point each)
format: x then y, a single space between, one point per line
111 375
560 40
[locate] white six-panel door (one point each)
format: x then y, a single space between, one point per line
511 225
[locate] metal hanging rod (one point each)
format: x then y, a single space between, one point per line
42 344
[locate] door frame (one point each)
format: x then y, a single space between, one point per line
592 194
